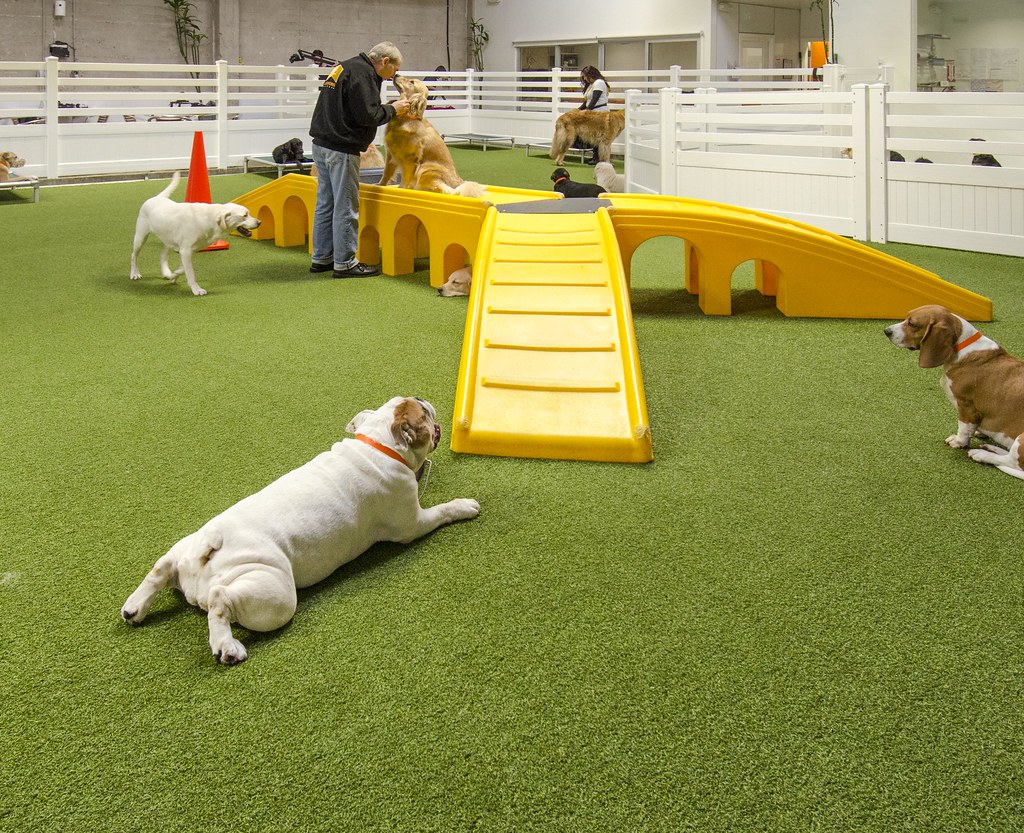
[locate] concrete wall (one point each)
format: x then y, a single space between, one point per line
258 32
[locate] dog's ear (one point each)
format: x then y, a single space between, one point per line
409 427
417 104
222 220
938 345
356 421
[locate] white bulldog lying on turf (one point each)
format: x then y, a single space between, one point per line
245 565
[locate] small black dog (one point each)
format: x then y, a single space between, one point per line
985 160
290 151
567 188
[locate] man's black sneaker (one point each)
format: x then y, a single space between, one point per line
321 267
360 270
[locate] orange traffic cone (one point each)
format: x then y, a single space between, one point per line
198 187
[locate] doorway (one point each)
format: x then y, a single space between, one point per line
756 51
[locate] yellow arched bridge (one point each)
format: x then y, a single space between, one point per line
549 364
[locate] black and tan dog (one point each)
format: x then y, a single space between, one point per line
567 188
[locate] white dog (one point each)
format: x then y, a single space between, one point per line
458 283
605 176
186 227
245 564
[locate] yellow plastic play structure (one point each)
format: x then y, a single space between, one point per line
549 361
549 364
812 273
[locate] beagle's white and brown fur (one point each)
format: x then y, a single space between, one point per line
983 381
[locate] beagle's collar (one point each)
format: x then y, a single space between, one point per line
394 455
967 342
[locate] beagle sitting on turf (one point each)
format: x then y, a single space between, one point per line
984 382
245 565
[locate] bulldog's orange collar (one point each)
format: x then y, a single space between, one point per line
394 455
967 342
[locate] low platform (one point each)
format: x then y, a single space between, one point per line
546 147
22 182
282 167
483 139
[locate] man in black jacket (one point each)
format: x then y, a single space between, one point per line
344 124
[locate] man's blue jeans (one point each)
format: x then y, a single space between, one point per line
336 218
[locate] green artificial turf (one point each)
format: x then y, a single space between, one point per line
804 615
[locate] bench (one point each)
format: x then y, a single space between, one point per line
582 152
282 167
479 139
16 181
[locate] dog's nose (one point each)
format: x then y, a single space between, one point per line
888 331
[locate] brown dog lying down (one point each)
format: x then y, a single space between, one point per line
417 150
9 159
458 283
593 127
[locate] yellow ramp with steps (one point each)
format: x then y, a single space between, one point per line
549 359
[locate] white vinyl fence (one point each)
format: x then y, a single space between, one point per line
74 119
824 158
774 140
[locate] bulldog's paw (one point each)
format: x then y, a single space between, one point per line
229 652
134 610
464 508
954 441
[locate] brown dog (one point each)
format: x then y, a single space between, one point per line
9 159
417 150
593 127
983 381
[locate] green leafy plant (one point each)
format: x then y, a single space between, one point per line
186 28
479 37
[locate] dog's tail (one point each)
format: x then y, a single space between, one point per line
471 189
1012 471
208 541
175 179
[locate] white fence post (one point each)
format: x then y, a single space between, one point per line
556 96
861 208
223 146
832 76
631 111
667 140
701 106
52 77
877 159
470 98
675 74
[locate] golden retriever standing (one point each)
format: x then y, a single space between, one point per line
595 127
416 148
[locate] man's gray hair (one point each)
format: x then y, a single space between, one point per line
385 50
